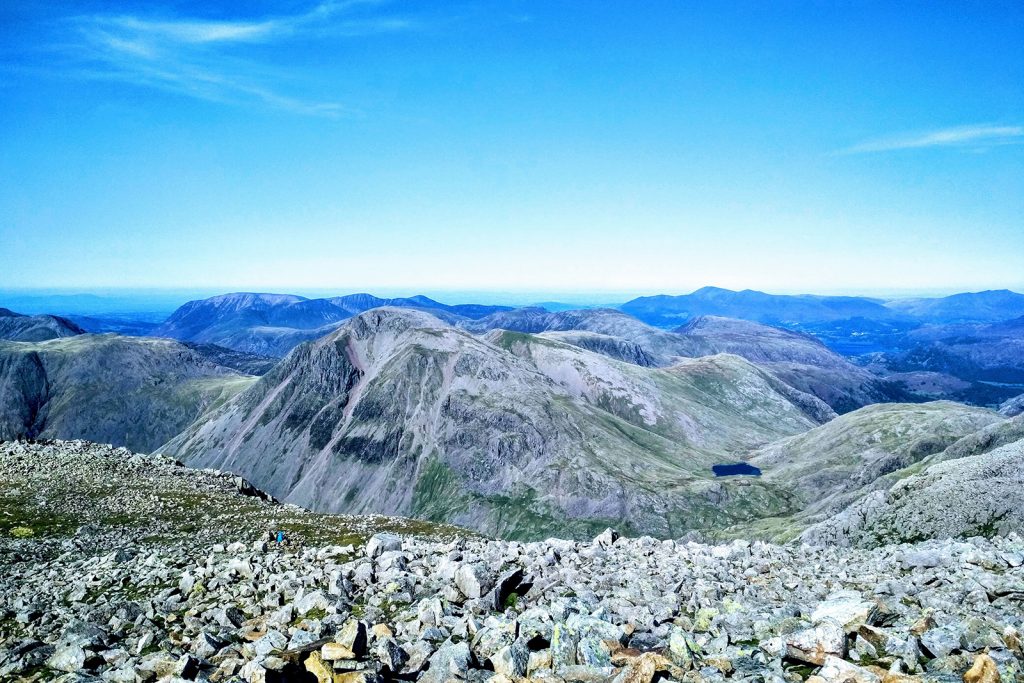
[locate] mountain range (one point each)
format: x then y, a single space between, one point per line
401 413
518 422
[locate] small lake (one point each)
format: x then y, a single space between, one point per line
736 468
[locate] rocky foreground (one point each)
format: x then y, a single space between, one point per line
128 595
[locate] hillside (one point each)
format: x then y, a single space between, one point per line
659 347
979 495
400 413
128 391
31 328
798 359
855 449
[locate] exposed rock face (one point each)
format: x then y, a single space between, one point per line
245 363
798 359
977 495
134 596
400 413
122 390
31 328
614 347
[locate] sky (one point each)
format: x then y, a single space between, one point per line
544 146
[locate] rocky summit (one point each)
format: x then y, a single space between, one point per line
179 578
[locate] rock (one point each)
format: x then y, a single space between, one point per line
606 538
813 645
186 667
941 642
67 658
836 670
505 588
273 640
642 669
983 670
351 641
316 600
511 660
449 662
315 665
382 543
681 648
471 581
205 645
846 608
388 652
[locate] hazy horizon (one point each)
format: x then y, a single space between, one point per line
79 301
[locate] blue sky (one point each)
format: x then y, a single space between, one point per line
543 146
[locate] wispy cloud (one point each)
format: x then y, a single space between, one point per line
207 59
975 136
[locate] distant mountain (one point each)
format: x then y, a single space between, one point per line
399 412
798 359
987 306
127 391
273 324
989 358
776 309
18 327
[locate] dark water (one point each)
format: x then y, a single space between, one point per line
735 468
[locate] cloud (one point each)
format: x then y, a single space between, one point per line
207 59
974 136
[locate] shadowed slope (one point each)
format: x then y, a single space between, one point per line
127 391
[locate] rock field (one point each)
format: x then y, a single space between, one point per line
122 567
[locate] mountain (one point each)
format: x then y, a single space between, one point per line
652 346
273 324
129 391
779 309
987 358
824 464
987 306
245 363
397 412
982 495
31 328
798 359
